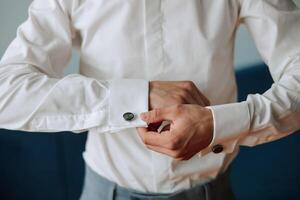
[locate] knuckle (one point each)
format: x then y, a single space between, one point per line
155 114
188 85
183 93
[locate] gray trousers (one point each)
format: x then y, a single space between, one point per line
99 188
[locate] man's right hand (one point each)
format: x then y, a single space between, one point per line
168 93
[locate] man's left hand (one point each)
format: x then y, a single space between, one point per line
190 131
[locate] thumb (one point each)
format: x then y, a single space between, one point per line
158 115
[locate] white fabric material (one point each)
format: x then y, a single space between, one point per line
123 99
132 42
225 132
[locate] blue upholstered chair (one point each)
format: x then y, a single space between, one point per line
49 166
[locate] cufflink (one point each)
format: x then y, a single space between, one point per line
217 148
128 116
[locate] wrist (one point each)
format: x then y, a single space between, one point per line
206 125
210 126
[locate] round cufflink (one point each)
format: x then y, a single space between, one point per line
128 116
217 148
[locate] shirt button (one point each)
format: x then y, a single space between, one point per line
217 148
128 116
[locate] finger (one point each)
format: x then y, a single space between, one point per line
159 115
166 128
153 138
165 125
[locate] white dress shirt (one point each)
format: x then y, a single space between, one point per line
124 44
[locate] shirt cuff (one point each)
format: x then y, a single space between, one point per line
231 122
127 96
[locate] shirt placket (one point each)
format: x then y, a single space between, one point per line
154 40
155 55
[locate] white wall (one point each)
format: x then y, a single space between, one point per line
14 12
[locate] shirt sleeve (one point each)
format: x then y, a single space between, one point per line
34 94
275 27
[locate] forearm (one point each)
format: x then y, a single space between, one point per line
32 101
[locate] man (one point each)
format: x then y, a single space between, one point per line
171 58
